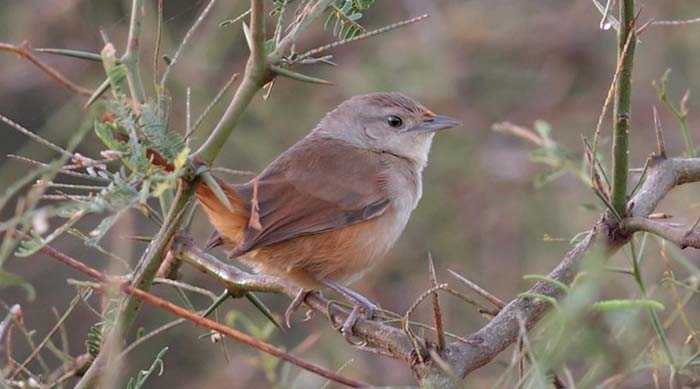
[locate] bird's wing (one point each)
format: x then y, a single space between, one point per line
316 186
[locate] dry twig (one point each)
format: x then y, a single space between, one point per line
24 52
106 283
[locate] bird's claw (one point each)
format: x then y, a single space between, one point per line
347 328
294 305
362 307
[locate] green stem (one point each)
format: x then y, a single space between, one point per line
131 56
622 111
256 70
256 74
687 138
154 255
143 279
653 316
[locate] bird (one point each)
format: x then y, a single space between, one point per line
327 209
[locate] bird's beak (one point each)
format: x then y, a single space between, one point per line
435 123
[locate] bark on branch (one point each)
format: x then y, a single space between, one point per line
389 340
682 237
502 331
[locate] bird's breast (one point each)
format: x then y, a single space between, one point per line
379 236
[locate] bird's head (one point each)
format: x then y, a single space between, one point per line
386 122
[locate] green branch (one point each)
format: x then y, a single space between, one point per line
254 78
131 56
622 111
147 268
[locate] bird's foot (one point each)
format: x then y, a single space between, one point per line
347 329
294 305
359 310
362 307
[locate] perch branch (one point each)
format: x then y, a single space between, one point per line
503 330
374 333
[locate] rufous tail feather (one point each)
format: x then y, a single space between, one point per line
230 223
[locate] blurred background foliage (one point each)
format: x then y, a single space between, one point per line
488 210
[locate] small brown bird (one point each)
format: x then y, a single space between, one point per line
324 211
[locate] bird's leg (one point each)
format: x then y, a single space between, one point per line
361 303
215 240
294 305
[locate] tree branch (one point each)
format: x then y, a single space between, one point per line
105 283
622 110
683 237
24 52
132 56
144 275
375 334
256 74
502 331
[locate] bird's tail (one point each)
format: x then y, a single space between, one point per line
229 222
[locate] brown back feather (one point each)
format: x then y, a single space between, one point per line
318 185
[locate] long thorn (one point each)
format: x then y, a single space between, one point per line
498 303
437 312
34 136
366 35
298 76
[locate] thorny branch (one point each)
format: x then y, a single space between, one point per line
503 330
622 109
439 366
106 283
257 74
683 237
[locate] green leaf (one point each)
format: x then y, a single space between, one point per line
616 305
544 129
118 195
36 242
557 283
544 178
93 340
104 132
116 72
99 232
167 143
9 279
540 296
139 381
343 17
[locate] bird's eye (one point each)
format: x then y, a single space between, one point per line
394 121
